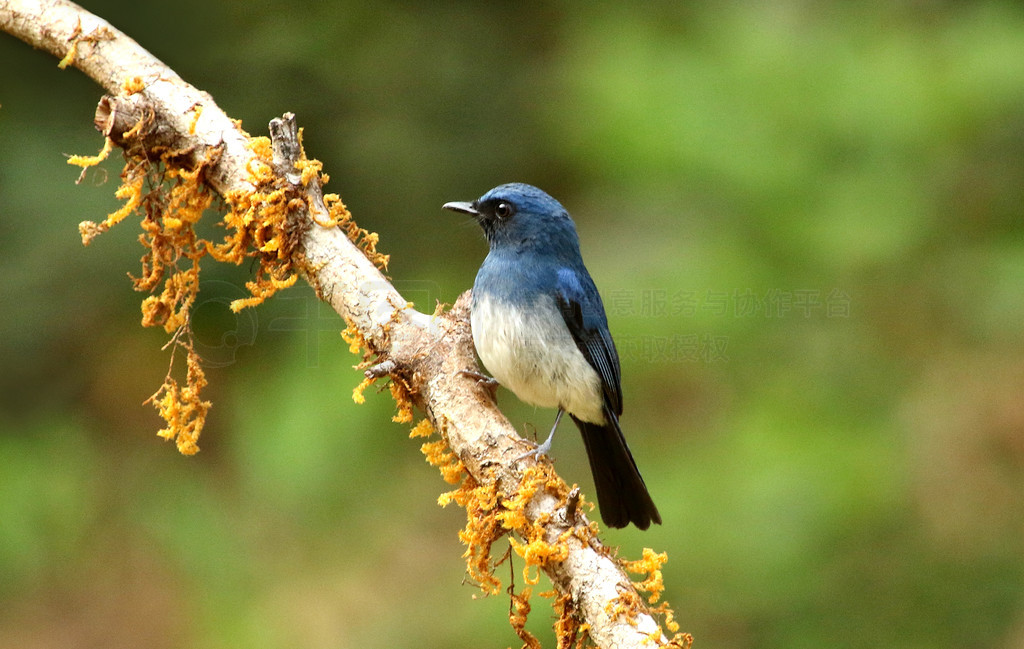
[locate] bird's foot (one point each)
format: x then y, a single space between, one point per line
545 446
542 449
488 383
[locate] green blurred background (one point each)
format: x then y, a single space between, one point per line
805 218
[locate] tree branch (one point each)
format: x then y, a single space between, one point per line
149 108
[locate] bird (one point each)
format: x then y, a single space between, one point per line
540 329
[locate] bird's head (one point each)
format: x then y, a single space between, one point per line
521 217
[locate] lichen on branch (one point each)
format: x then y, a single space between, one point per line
489 517
167 187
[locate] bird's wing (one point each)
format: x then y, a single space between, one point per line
583 312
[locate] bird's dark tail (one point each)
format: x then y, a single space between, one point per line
621 493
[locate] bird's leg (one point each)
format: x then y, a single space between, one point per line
488 383
545 446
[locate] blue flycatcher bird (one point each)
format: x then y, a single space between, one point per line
540 329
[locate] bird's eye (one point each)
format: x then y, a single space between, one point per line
503 210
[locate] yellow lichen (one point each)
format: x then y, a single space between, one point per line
354 338
537 553
357 392
172 199
680 640
481 532
132 85
197 111
92 160
628 603
670 617
437 453
453 472
568 628
310 170
261 289
181 407
423 429
98 34
135 130
404 402
342 218
130 192
650 564
490 516
69 56
535 550
518 610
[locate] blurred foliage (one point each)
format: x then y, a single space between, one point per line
806 222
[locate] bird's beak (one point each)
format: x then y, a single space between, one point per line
458 206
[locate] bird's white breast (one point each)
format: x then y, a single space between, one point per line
531 352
